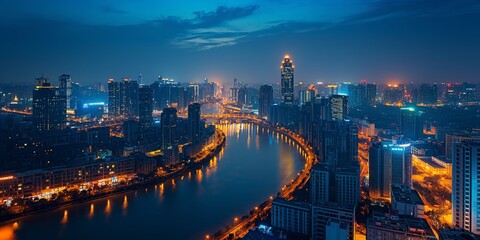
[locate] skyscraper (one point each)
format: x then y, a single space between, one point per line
465 186
49 108
339 107
411 123
115 96
389 163
194 122
123 98
145 107
66 88
287 81
168 124
130 98
265 101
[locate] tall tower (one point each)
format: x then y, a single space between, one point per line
265 101
168 124
194 122
287 83
145 107
49 108
66 88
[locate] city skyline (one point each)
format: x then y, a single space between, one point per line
190 120
332 42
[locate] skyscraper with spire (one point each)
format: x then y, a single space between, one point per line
287 83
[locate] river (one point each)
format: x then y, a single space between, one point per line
253 165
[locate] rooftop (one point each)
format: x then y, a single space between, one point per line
402 223
405 194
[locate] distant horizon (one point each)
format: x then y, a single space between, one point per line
347 41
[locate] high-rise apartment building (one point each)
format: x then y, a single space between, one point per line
145 107
466 186
65 88
265 101
194 122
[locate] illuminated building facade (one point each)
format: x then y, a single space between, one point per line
287 81
389 163
66 89
49 108
84 176
466 186
145 107
291 216
338 107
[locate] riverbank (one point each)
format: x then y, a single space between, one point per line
205 156
247 222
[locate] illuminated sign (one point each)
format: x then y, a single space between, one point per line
87 105
6 178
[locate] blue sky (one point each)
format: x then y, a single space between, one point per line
381 41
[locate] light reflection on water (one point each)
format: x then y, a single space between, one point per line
237 179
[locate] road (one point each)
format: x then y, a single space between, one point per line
243 226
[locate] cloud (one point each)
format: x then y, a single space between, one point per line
382 9
112 9
222 14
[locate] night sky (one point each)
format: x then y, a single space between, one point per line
329 40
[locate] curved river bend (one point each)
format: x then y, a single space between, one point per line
254 164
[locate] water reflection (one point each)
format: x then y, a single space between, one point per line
125 202
92 211
65 217
8 232
211 191
108 208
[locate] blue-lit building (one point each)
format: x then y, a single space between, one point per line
389 163
90 110
466 186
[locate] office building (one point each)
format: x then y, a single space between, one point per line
452 138
340 184
406 201
115 98
465 186
389 163
337 230
291 216
145 107
194 128
427 94
411 123
322 214
287 81
265 101
168 124
402 227
49 108
393 94
65 87
130 98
